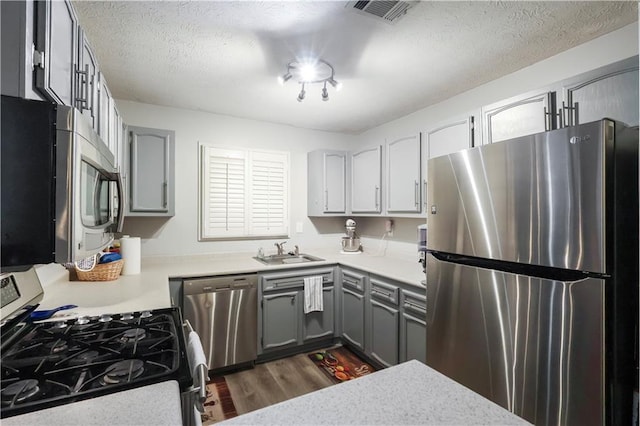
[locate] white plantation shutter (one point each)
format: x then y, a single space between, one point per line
244 193
269 193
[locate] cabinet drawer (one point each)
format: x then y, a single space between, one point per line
415 303
353 281
295 279
384 291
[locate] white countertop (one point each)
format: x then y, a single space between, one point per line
150 290
157 404
380 398
409 393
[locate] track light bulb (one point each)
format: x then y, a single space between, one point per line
282 79
325 94
335 84
301 94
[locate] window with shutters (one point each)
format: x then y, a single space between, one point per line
244 193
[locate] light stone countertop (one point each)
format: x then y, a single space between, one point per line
150 290
380 398
409 393
157 404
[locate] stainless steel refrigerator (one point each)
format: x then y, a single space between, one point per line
532 272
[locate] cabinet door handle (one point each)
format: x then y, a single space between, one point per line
416 307
326 200
82 88
387 295
377 190
164 194
424 199
416 194
293 298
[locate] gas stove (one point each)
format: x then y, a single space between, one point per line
53 363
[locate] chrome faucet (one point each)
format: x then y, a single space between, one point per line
280 247
297 251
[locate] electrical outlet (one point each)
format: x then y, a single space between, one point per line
388 226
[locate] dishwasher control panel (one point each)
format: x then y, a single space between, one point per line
219 283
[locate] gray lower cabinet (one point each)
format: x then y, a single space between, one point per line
413 327
281 319
384 323
352 318
284 323
151 172
319 324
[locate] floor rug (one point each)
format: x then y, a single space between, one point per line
219 405
340 364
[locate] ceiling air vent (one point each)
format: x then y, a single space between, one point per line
387 11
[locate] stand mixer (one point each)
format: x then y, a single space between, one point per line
351 243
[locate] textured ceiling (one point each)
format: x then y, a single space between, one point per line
224 57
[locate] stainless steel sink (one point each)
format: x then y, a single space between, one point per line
285 259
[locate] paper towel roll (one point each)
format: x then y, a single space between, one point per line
130 251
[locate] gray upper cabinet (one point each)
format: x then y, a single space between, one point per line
520 116
17 39
55 53
326 182
151 172
87 82
366 179
445 138
608 92
449 137
105 114
403 175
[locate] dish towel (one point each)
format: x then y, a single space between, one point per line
313 294
195 354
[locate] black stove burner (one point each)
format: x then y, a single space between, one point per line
133 335
57 346
84 358
47 365
19 391
123 371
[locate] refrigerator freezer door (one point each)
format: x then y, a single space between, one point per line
538 199
533 346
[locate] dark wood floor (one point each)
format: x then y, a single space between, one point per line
276 381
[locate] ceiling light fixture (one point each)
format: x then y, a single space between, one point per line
311 72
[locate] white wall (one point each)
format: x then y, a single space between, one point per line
612 47
179 235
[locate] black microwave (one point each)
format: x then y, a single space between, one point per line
61 195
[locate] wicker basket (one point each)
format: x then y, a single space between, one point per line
102 272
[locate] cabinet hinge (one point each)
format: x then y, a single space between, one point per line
38 57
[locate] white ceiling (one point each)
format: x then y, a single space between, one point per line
224 57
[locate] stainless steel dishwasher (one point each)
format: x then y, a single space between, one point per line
223 311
